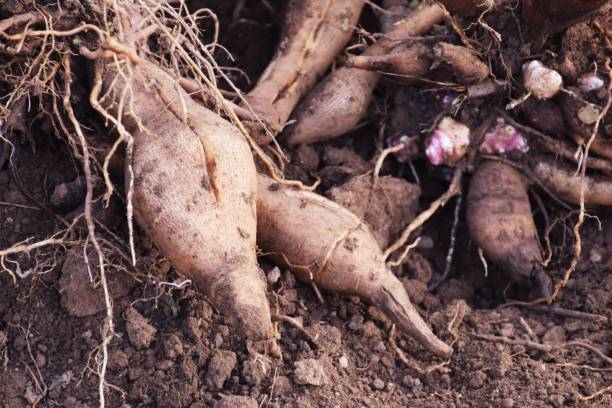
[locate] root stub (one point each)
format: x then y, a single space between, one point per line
322 242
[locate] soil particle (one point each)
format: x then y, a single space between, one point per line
236 401
507 403
274 275
72 402
456 289
556 400
118 359
329 338
283 386
307 158
477 380
501 363
173 347
310 372
220 368
343 361
370 330
378 384
79 296
66 196
255 370
554 335
140 332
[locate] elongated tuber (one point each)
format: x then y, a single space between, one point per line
409 61
501 224
338 103
564 182
324 243
194 191
315 31
466 66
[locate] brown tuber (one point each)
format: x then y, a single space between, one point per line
194 192
315 31
324 243
466 66
408 61
500 222
339 101
564 182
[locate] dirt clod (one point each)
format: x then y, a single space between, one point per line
235 401
386 208
79 296
554 335
378 384
140 332
220 368
256 370
477 380
310 372
66 196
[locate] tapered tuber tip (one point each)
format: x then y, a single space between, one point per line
245 308
394 301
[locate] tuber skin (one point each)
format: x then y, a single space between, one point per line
410 61
194 193
315 31
339 101
324 243
500 222
565 183
467 67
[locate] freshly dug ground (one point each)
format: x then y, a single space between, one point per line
172 348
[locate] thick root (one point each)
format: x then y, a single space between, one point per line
501 223
565 182
339 102
315 32
194 193
324 243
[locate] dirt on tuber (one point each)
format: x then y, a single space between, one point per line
314 32
500 222
194 192
338 102
324 243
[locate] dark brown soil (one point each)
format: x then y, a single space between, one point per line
172 349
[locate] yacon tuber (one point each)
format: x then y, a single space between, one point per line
194 191
324 243
501 224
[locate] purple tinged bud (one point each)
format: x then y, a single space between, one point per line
448 143
504 138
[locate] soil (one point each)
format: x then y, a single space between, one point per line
172 349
